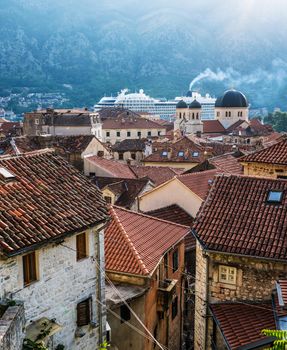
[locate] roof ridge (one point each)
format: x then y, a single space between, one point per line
129 242
28 154
149 216
197 173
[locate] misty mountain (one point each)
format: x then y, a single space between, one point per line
99 47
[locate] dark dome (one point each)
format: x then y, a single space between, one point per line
181 104
232 98
195 105
189 93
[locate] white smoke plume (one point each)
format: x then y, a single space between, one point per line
276 75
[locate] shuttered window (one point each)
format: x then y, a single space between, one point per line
84 312
29 268
81 246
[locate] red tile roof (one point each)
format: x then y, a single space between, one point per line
241 324
47 199
135 243
185 145
199 183
235 126
213 127
227 163
275 154
116 169
236 217
157 175
173 213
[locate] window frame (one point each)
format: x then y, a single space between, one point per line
87 303
227 272
128 134
27 279
81 254
118 134
278 201
108 134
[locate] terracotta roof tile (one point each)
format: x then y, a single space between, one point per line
130 122
275 154
236 217
172 152
116 169
241 324
157 175
227 163
199 183
135 243
48 198
213 127
173 213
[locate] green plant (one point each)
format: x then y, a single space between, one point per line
104 345
29 344
281 338
60 347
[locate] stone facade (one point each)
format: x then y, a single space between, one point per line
188 121
254 281
62 283
11 330
229 116
117 135
265 170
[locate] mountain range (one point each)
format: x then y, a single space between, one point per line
91 48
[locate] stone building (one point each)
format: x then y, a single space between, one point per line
241 253
62 122
188 118
132 150
268 162
145 262
52 222
231 107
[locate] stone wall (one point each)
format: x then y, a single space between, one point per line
63 283
266 170
11 328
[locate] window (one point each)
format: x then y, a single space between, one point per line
133 156
195 154
128 134
149 133
164 153
107 134
158 133
121 156
139 134
37 121
108 199
227 274
125 313
174 307
217 114
81 244
84 312
226 114
29 268
175 260
180 153
118 133
274 196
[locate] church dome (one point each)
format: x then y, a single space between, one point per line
232 99
195 105
181 104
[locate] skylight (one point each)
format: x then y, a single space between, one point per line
180 153
6 174
195 154
274 196
164 153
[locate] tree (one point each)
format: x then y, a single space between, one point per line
278 120
281 342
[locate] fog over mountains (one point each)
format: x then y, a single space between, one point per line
99 47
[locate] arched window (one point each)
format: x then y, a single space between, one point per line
196 115
238 114
192 115
180 115
226 114
229 114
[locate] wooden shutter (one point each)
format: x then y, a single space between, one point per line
84 313
29 268
81 246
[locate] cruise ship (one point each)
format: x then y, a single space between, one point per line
140 102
